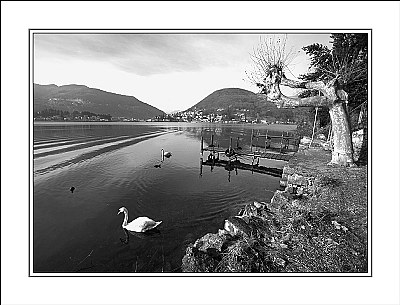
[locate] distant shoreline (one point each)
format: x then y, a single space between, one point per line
284 127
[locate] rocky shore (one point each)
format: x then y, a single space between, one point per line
316 223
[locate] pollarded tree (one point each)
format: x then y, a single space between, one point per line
271 60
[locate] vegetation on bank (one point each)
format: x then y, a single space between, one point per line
60 115
318 227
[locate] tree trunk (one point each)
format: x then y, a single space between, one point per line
342 153
333 98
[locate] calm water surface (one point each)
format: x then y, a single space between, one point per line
112 165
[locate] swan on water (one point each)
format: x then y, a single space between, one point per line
166 154
140 224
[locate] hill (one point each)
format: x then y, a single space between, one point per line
82 98
223 98
231 100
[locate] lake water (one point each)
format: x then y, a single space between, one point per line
112 165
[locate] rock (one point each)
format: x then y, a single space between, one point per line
222 232
287 170
250 210
296 203
305 140
338 226
261 227
357 139
299 191
245 218
198 261
279 261
210 241
279 199
297 179
258 205
237 226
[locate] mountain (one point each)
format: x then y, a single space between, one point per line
228 97
82 98
232 100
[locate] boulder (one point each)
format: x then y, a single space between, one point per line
357 139
250 210
205 254
235 225
283 183
287 170
305 140
279 199
210 241
258 205
198 261
297 179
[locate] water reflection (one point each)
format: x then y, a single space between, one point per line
152 234
230 165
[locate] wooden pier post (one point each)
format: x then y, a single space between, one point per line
202 145
212 140
266 138
251 140
230 144
258 135
287 140
281 142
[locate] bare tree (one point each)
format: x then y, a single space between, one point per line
271 60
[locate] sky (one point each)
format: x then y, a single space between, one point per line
168 71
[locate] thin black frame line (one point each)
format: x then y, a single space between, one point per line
29 151
329 30
180 33
197 276
369 234
183 275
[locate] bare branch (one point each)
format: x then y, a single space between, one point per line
304 85
270 53
290 102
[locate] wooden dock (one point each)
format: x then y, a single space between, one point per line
256 154
260 147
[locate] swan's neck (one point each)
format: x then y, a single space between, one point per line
125 219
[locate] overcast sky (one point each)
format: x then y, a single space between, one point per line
168 71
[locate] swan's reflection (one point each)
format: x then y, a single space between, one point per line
151 234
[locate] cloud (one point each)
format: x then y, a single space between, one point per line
146 54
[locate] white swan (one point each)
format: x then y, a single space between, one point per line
166 154
140 224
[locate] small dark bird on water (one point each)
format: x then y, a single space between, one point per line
72 189
157 165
